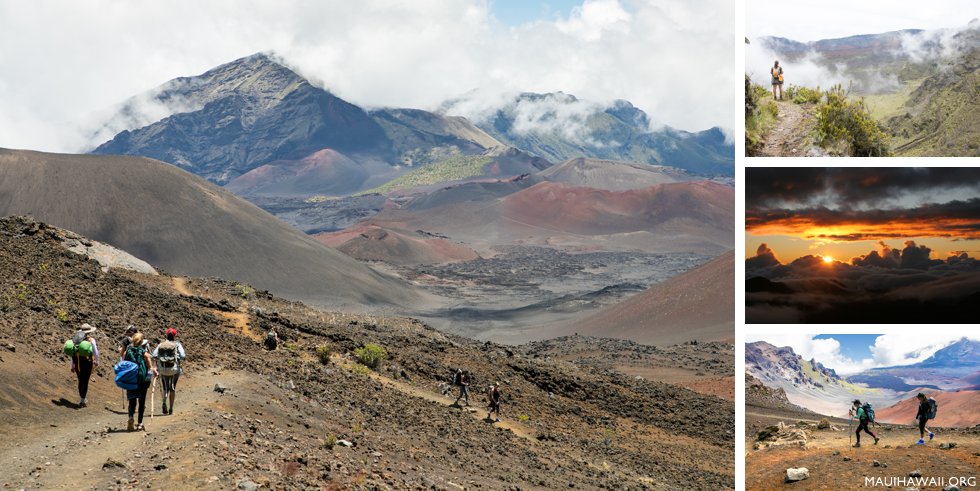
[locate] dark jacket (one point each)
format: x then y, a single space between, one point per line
923 409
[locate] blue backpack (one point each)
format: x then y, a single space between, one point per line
127 375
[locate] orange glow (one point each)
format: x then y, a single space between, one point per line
828 259
844 232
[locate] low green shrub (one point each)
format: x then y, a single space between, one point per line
371 355
847 126
323 352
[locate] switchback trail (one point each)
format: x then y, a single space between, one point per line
422 393
790 137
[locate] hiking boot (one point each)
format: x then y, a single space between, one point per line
131 426
876 440
920 442
81 403
140 427
931 435
164 407
498 420
856 445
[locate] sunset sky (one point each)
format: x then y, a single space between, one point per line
846 213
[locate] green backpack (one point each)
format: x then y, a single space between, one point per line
83 348
135 355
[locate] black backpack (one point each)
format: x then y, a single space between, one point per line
869 411
933 407
457 377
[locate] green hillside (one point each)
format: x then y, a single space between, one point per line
451 169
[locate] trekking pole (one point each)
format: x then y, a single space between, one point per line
153 392
849 422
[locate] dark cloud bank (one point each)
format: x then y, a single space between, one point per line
889 285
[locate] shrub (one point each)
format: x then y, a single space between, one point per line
804 95
371 355
523 418
244 290
323 352
848 125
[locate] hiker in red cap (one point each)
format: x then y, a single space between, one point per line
168 356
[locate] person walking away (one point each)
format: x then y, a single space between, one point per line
864 419
493 395
136 353
777 80
84 360
168 356
924 414
464 388
126 340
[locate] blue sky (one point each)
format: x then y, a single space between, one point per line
853 346
513 13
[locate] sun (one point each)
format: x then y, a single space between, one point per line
828 259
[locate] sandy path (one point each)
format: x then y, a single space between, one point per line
73 450
239 320
790 136
422 393
826 453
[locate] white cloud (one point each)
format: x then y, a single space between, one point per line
888 350
65 63
810 20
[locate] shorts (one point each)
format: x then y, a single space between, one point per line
169 382
776 81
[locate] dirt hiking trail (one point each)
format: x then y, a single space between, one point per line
834 464
790 137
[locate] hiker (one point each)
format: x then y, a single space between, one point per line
493 395
926 412
864 419
272 339
84 359
168 356
125 341
136 353
463 382
777 80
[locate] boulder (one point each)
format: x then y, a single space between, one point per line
797 474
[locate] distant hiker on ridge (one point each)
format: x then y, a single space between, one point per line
777 80
168 356
864 418
927 411
272 339
463 382
136 353
493 395
84 354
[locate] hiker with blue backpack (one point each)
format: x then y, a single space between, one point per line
168 356
865 415
134 374
927 411
84 354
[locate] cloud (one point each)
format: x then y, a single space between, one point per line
810 20
856 187
764 258
65 64
889 285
